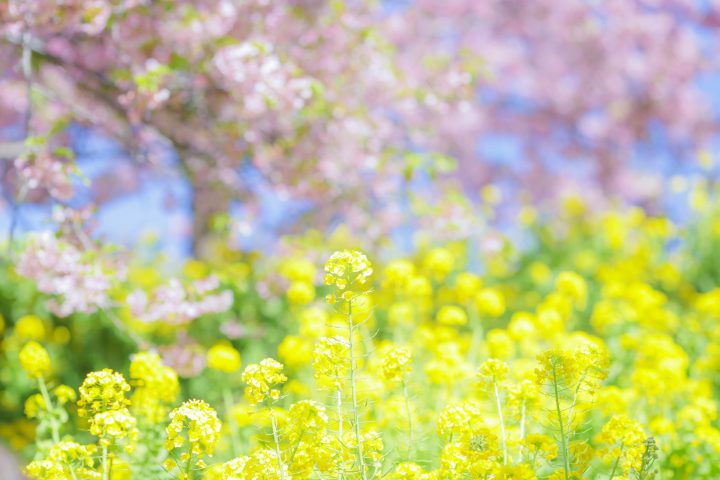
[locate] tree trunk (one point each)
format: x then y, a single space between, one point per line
209 202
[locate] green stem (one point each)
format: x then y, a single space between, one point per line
502 422
49 406
566 460
228 401
276 439
297 446
340 413
574 402
105 473
409 419
188 468
617 462
340 426
358 438
477 332
522 428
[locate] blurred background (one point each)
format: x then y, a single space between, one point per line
179 122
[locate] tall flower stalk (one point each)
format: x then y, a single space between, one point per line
569 375
262 379
493 372
348 271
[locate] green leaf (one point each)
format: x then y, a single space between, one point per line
179 63
444 163
64 152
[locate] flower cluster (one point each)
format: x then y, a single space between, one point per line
624 441
102 391
177 304
103 402
224 358
345 270
35 360
197 423
331 361
396 364
155 386
114 425
77 281
66 459
261 378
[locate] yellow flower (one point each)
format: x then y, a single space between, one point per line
295 351
520 471
586 363
491 194
612 400
452 315
300 293
493 371
401 314
396 364
306 417
522 326
539 272
466 286
573 285
223 357
30 327
347 268
298 270
34 405
500 344
420 287
261 378
194 269
331 361
407 471
155 386
526 393
64 394
65 460
542 445
490 302
439 262
264 464
458 418
200 422
624 439
371 446
60 335
112 426
397 275
234 468
102 391
35 360
313 322
448 366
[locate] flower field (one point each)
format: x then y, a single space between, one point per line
594 353
359 240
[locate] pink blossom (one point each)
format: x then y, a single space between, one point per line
77 283
177 304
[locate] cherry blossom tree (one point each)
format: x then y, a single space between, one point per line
584 81
338 103
307 93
